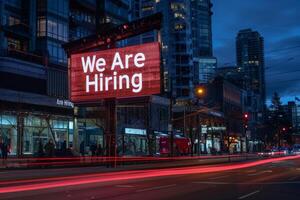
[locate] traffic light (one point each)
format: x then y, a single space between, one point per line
245 120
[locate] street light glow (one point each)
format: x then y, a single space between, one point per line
200 91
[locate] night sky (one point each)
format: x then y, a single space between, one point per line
278 21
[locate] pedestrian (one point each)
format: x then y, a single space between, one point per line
99 150
64 147
82 148
4 150
1 143
40 149
49 148
93 149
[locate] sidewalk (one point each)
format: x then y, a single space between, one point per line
118 162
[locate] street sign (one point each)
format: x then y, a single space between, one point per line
115 73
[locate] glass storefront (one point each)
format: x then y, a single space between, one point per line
8 132
37 131
133 142
135 145
91 135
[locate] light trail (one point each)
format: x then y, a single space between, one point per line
129 175
71 161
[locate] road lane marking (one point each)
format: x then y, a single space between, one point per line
218 177
248 195
124 186
259 173
293 178
211 182
156 188
246 183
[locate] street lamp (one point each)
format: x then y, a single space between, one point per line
200 92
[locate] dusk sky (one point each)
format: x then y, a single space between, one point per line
278 21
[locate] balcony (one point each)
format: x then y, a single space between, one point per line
23 55
20 30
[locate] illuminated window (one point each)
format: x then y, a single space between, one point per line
41 27
147 8
177 6
13 21
52 28
13 44
179 27
178 15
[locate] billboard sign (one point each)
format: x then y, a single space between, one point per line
115 73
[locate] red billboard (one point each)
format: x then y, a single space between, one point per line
115 73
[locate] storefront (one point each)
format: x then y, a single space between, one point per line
8 132
91 134
36 129
133 142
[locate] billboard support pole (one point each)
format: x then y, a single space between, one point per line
110 107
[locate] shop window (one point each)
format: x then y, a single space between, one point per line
8 132
35 132
13 44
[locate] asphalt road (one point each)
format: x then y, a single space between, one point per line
274 180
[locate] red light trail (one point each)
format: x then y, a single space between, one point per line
126 175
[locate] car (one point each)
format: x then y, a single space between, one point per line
296 149
266 153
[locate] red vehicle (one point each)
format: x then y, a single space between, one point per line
182 145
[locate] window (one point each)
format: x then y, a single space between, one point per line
178 15
56 53
41 27
52 28
59 7
8 132
179 27
13 44
57 29
13 21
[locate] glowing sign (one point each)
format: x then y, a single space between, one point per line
116 73
135 131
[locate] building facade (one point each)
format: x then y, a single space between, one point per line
250 60
185 35
34 105
205 69
33 69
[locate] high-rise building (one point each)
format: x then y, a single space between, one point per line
205 68
201 28
185 38
250 60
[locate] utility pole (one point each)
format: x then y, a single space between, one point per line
170 126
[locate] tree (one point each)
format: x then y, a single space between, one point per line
277 123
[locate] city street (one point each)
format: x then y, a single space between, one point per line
149 100
277 179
